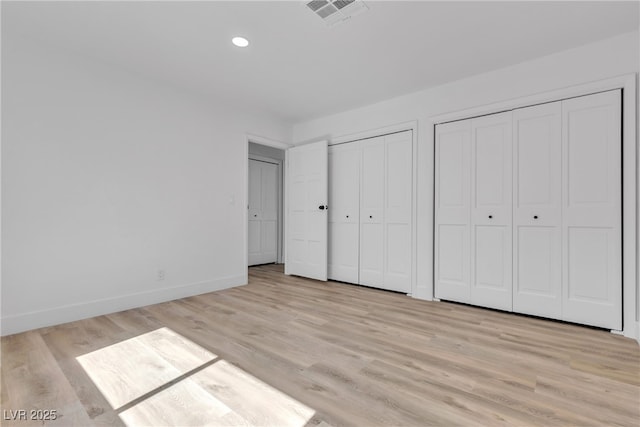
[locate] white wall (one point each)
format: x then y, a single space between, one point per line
607 58
107 178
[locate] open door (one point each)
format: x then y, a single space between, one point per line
306 219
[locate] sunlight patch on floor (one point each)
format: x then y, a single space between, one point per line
162 378
221 394
129 369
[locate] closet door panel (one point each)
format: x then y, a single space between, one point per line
269 212
397 215
255 207
537 271
537 267
372 194
344 212
269 242
490 258
269 178
255 242
591 142
398 258
491 211
398 177
371 252
452 211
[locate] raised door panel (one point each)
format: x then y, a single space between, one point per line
591 210
490 260
537 272
344 208
255 242
372 180
397 215
269 191
491 211
269 242
452 211
269 219
255 189
254 230
371 253
343 252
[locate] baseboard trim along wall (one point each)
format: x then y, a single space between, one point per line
69 313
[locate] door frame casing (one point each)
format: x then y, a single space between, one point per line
627 82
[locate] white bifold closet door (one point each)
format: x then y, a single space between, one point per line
386 187
473 212
452 211
491 284
372 194
263 212
537 219
344 212
591 210
398 204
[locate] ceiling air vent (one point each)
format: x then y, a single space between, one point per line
334 12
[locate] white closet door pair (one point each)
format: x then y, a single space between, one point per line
565 160
344 212
567 210
370 212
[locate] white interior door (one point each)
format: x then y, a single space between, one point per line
263 212
372 190
491 211
306 218
452 211
591 210
537 238
344 212
397 216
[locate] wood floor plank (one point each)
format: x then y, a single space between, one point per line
285 350
35 382
66 343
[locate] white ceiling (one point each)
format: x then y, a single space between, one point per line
296 67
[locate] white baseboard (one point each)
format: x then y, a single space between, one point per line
69 313
631 331
422 293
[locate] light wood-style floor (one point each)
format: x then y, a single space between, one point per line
290 351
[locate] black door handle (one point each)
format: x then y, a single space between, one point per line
490 216
535 217
323 207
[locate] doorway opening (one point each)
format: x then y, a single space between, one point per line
265 205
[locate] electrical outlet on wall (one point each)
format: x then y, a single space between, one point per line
160 275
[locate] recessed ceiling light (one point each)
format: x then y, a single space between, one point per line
240 41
